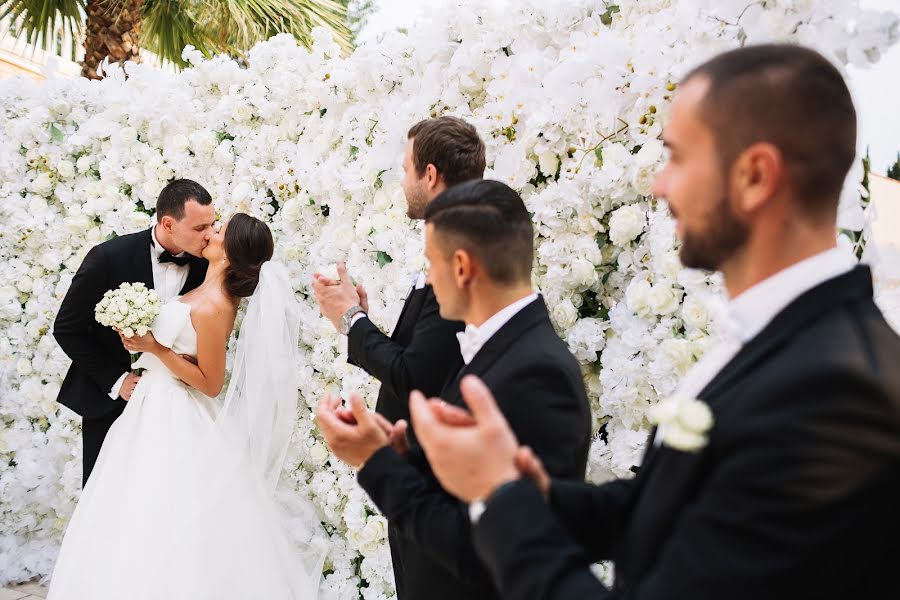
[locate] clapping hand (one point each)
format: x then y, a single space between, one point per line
471 455
353 435
336 297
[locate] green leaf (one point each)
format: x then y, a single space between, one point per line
383 258
56 133
598 152
611 9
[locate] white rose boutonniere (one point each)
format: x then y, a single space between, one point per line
682 422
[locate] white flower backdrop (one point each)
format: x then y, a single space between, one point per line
570 99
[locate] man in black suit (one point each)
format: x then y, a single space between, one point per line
422 352
165 258
479 243
791 489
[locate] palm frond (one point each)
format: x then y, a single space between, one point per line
170 25
39 18
237 25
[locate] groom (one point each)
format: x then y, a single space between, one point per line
165 258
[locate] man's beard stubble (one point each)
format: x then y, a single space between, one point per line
724 235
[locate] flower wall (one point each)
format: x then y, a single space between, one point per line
570 99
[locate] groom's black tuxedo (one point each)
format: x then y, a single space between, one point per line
540 389
795 495
421 354
98 357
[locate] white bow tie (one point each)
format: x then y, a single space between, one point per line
469 343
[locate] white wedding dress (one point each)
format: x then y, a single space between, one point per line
175 509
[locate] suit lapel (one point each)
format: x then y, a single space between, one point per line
533 314
143 268
797 315
415 297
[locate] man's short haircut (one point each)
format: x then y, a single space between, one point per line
488 220
451 145
176 194
793 98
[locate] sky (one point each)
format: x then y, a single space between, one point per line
876 90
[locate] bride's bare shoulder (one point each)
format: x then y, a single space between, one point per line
216 312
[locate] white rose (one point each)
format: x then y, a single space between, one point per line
643 180
382 201
626 223
683 439
132 175
584 272
25 284
241 112
565 314
662 299
679 352
65 169
694 313
549 163
374 529
84 163
637 296
23 367
42 184
128 134
180 141
318 454
138 220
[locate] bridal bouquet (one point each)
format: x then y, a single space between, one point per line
130 309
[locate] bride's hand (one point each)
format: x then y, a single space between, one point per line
140 343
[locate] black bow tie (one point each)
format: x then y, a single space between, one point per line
167 257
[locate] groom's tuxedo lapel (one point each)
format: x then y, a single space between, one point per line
677 466
143 268
531 315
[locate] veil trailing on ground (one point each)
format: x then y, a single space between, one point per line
260 405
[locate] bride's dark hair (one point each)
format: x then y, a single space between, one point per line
248 244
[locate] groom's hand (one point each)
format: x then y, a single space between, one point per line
352 442
337 297
127 389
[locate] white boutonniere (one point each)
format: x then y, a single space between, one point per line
682 422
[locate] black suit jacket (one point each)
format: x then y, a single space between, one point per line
98 357
795 495
540 389
421 354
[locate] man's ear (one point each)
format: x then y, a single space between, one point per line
757 176
432 177
462 268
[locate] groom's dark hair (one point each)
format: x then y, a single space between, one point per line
488 220
451 145
176 194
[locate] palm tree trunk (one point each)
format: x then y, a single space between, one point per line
114 30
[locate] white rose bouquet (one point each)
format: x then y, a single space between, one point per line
130 309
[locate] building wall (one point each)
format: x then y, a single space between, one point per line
886 204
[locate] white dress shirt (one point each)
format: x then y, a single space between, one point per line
474 338
168 279
750 312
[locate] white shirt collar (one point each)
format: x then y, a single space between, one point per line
755 308
474 338
156 248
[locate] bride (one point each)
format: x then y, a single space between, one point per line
181 503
